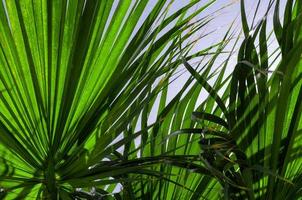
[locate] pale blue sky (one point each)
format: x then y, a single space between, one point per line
222 21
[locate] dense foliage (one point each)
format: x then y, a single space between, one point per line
81 81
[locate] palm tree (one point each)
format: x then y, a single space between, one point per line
250 136
76 77
80 80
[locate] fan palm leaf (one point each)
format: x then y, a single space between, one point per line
75 76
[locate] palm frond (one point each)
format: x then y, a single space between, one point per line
75 76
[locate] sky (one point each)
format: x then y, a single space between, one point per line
222 21
224 12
